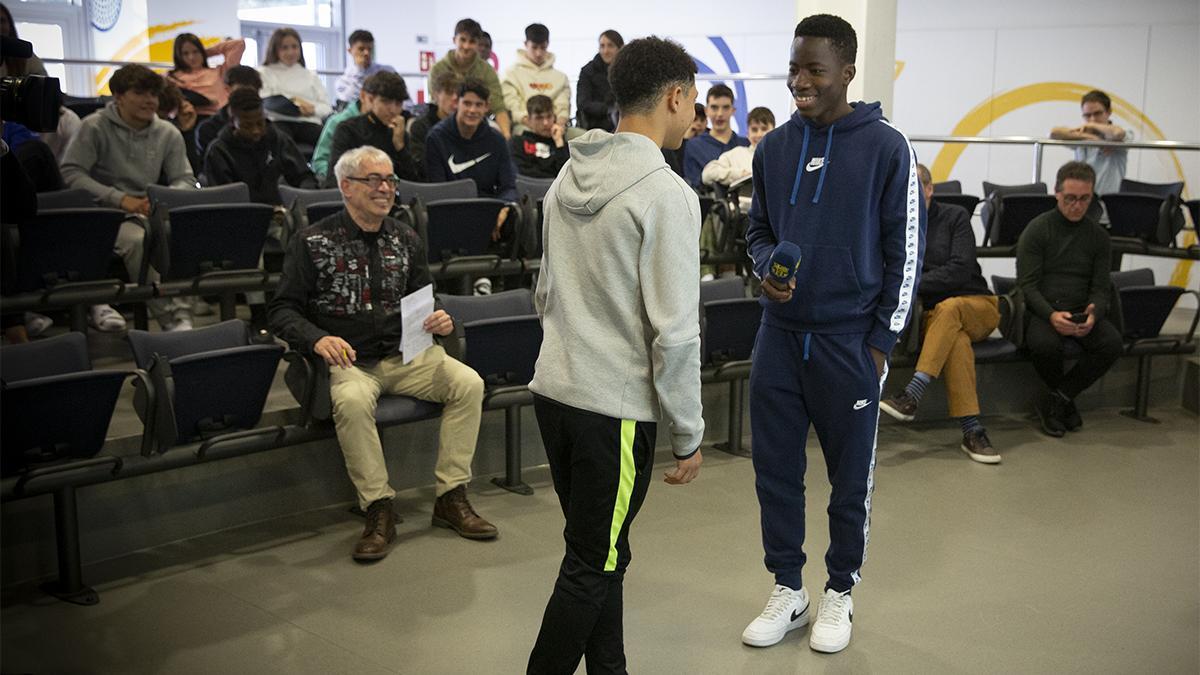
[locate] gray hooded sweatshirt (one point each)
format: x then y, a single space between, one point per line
618 291
111 159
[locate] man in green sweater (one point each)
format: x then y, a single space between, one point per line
1062 271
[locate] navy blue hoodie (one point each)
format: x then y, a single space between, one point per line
849 196
484 158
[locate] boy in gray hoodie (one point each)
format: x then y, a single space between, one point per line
116 153
619 305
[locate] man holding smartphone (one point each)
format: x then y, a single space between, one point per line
1063 272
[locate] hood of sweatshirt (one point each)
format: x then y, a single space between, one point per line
604 165
524 62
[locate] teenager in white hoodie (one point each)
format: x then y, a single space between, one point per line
533 74
734 164
619 305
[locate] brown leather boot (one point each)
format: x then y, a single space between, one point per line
379 533
453 511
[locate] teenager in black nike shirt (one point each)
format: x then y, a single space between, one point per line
466 146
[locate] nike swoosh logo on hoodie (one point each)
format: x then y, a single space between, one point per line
456 168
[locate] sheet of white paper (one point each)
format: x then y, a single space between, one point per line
414 309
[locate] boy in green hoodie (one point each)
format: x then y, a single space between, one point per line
464 61
618 221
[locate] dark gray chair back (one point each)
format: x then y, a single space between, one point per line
430 192
1160 189
501 335
729 330
66 245
466 308
1014 213
1140 277
460 227
293 196
58 355
948 187
729 288
215 237
145 345
173 198
71 198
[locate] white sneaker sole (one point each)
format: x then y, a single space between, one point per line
828 647
895 413
982 459
767 640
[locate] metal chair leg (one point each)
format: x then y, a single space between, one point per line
69 586
512 454
737 403
1141 401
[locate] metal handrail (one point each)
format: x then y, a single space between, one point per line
1040 143
162 65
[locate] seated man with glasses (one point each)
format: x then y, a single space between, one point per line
339 298
1063 273
541 150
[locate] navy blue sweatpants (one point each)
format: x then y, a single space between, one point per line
829 381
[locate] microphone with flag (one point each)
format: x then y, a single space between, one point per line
785 260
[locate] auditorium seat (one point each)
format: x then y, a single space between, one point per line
531 191
968 202
297 201
1144 309
992 192
948 187
499 336
213 237
1160 189
56 412
71 198
66 254
729 323
407 191
211 384
1013 214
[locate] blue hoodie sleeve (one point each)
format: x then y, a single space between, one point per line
760 238
693 164
902 236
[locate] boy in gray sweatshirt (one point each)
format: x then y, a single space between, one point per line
117 152
619 305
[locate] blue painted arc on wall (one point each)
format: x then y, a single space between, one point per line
739 87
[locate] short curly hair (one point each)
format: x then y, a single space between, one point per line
136 78
645 69
839 32
386 84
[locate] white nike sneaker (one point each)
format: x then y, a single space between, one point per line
835 618
786 610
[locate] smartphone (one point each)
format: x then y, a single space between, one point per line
1079 317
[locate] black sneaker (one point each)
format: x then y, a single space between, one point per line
1051 412
979 448
1071 419
902 406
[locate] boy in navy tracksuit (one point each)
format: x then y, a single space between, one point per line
839 181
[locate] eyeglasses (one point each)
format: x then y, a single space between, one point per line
1072 200
375 180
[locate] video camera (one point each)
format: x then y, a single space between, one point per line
31 100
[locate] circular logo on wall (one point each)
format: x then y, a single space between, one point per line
104 13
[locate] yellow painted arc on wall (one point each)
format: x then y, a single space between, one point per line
982 116
140 48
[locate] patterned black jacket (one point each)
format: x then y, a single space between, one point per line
336 281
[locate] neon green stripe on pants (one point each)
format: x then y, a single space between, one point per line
624 491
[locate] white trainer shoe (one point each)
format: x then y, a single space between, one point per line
786 610
831 632
106 319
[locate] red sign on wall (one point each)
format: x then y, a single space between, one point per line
425 61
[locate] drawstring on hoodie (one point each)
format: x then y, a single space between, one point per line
828 157
824 166
807 339
800 167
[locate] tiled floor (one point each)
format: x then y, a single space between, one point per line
1076 555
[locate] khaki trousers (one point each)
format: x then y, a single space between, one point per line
432 376
948 331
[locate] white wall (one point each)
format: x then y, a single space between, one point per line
960 60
